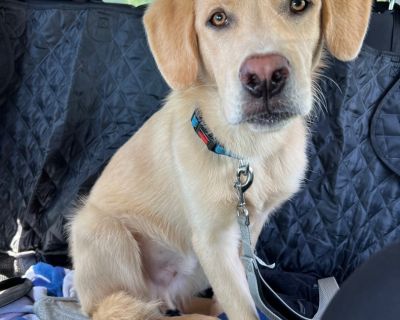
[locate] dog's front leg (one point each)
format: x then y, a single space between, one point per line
218 252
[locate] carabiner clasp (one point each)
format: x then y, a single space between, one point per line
244 176
244 180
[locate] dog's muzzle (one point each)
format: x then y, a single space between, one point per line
264 78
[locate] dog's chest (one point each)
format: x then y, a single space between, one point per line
274 183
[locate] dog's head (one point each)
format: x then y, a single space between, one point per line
261 55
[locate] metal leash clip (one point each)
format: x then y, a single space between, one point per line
244 180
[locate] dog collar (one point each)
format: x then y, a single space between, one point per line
207 137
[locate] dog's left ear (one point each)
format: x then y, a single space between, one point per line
172 37
345 24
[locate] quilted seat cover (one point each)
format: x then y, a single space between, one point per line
83 81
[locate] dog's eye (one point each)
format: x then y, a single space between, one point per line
219 19
297 6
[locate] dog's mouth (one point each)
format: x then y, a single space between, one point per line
269 118
268 113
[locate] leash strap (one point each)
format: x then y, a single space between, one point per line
265 298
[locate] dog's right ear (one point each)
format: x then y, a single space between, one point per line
172 37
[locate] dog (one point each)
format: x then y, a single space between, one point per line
160 224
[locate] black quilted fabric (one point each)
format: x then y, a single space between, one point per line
349 207
80 82
84 81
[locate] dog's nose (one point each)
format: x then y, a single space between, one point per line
265 75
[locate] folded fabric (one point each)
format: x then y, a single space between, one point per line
47 276
46 280
19 307
23 308
68 285
51 308
11 316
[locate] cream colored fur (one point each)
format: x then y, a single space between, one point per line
160 224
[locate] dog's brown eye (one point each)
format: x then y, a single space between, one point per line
219 19
298 6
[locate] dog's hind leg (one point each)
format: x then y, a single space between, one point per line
108 269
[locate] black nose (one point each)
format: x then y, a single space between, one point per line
265 76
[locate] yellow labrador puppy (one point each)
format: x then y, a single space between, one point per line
160 224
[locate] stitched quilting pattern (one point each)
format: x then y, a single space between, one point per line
83 84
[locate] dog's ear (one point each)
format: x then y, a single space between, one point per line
345 24
171 34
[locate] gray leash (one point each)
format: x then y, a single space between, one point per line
267 300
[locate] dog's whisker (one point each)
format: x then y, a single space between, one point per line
331 80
